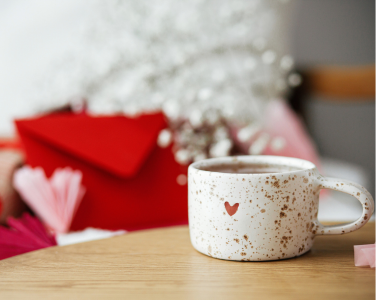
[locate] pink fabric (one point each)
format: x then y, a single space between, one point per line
364 255
280 121
54 200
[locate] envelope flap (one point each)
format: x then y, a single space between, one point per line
117 144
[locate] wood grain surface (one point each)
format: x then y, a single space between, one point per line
161 264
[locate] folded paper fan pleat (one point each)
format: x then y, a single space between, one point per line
54 200
23 235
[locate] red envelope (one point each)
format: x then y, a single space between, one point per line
131 182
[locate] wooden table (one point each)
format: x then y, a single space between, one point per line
161 264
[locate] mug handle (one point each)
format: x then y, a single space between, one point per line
354 190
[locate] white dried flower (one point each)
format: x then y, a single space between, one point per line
182 156
294 80
221 148
259 145
164 138
197 61
246 133
278 143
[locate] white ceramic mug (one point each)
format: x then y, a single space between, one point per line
265 216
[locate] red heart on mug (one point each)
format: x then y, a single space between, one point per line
231 210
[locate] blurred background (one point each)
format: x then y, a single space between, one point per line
317 55
340 33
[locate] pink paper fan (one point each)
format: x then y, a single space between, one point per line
54 200
23 235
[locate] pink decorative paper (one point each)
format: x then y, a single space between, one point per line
364 255
54 200
23 235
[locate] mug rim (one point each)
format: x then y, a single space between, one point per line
299 164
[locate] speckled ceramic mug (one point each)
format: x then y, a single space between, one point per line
262 216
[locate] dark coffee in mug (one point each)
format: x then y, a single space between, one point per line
242 168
